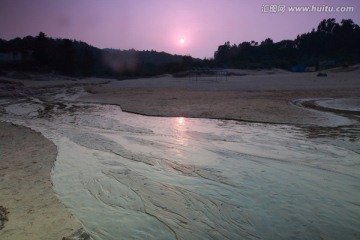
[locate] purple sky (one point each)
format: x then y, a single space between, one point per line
159 24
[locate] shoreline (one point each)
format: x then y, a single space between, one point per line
33 209
256 96
310 105
254 107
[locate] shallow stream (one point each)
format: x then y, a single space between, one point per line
128 176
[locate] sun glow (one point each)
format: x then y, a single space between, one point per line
182 40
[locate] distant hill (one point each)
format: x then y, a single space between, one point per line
330 45
72 57
153 57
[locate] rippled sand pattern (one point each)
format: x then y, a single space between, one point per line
128 176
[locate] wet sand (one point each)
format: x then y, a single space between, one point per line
32 208
260 97
179 178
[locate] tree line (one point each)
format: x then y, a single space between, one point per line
331 42
71 57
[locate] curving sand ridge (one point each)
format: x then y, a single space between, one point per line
33 210
255 96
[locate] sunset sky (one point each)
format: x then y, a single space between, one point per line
194 27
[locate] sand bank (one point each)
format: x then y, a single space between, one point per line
245 95
33 210
256 96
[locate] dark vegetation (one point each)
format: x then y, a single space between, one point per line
75 58
331 44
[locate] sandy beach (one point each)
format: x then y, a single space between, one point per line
31 209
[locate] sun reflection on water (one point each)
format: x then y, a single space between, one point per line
180 128
180 138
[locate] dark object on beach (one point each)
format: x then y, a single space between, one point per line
3 216
79 235
320 74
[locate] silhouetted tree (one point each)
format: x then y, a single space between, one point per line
41 48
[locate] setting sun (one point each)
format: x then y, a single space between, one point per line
182 40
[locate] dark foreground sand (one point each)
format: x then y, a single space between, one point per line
29 208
